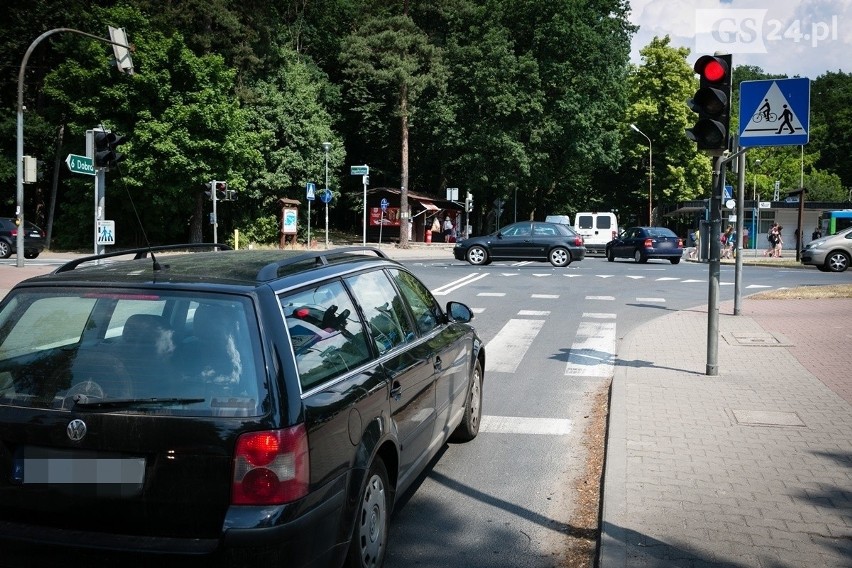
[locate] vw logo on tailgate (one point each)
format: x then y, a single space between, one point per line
76 430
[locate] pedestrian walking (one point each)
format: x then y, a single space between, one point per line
772 237
817 234
779 243
725 240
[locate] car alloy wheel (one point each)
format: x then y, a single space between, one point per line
610 256
837 262
5 250
477 255
560 257
639 257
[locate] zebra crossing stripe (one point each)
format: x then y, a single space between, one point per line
524 425
508 347
593 351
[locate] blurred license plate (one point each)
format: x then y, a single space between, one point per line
62 467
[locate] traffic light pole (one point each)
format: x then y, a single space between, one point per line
213 187
100 204
714 262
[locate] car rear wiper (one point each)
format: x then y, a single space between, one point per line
86 402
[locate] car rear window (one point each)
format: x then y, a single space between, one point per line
137 352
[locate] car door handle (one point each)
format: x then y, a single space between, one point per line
396 391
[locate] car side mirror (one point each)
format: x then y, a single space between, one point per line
459 312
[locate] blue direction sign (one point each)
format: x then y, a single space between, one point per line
80 164
326 195
312 191
775 112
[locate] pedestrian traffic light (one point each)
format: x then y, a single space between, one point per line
218 190
712 102
106 143
468 202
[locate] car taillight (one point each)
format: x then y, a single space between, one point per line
648 243
578 241
680 243
614 235
14 232
271 467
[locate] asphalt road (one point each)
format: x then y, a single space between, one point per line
552 336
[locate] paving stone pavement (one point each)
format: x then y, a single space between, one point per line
751 467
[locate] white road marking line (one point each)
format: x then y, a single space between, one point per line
595 315
456 284
635 277
610 298
492 294
510 274
762 286
649 300
542 275
572 275
693 281
522 263
664 278
477 310
545 296
508 347
604 275
523 425
593 351
534 313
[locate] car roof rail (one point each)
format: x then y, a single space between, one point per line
138 253
313 260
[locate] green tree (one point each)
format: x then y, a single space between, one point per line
831 123
185 128
658 89
387 63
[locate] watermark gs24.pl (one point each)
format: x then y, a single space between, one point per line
749 31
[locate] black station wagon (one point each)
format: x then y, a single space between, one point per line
260 408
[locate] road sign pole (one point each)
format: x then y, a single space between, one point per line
364 236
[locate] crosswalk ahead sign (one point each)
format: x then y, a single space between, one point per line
775 112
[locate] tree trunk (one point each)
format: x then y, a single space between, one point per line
196 235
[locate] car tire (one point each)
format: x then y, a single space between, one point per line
610 256
469 427
31 254
5 249
639 257
675 260
559 257
477 255
822 268
837 261
370 534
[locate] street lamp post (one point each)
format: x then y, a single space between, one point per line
650 173
326 146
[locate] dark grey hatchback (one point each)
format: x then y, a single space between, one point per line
224 408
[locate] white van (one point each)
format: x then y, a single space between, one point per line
597 229
561 219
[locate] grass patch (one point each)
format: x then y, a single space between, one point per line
806 293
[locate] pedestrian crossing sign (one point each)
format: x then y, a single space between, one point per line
106 233
774 112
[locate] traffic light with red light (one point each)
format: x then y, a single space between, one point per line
712 103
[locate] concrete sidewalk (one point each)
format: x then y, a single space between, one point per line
751 467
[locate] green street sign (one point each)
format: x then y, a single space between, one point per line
359 170
80 164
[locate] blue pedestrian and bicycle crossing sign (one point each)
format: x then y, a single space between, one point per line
384 204
775 112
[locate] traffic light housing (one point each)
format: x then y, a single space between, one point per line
106 143
468 202
712 103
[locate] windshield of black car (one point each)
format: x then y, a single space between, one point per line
60 347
